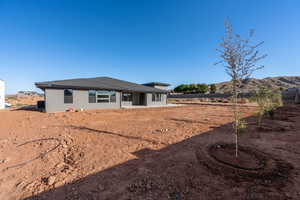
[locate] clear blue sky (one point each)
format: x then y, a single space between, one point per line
139 40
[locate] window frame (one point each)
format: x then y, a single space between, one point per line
102 96
92 95
157 97
68 99
129 96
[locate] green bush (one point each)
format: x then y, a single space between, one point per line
268 101
192 88
181 88
202 88
212 89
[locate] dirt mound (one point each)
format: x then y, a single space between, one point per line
247 158
250 165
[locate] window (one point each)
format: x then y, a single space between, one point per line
68 96
113 97
92 96
102 96
126 97
156 97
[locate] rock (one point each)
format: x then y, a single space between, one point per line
60 165
58 184
101 187
19 184
30 186
148 186
51 180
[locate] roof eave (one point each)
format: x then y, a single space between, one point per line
53 86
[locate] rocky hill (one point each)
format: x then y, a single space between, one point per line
281 82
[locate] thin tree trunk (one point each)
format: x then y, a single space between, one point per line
260 119
236 146
236 117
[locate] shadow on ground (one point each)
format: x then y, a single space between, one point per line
115 134
172 172
27 108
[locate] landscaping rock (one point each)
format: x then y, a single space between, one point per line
50 180
101 187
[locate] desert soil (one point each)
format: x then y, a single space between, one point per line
137 153
20 101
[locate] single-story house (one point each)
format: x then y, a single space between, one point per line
99 93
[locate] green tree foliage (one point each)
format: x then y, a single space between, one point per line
212 89
202 88
181 88
192 88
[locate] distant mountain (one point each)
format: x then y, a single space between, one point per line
281 82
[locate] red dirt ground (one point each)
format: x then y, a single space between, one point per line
136 154
18 101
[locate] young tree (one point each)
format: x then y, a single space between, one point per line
212 89
268 101
262 98
239 57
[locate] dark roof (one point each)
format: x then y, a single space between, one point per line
99 83
156 83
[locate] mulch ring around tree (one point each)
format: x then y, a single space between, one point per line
251 164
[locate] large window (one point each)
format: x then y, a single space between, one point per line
102 96
156 97
68 96
126 97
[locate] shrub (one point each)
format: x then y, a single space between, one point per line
202 88
212 89
192 88
268 101
181 88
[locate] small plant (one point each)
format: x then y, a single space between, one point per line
268 101
241 126
275 102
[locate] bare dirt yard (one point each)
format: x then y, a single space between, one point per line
21 101
143 154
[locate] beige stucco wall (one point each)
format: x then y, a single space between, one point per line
150 102
55 101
